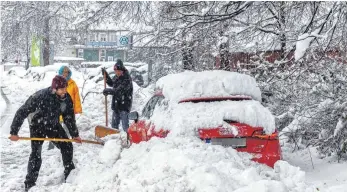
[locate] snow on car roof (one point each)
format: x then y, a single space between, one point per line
214 83
187 118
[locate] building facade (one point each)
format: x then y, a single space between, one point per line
99 45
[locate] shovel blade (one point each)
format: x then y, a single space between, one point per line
102 131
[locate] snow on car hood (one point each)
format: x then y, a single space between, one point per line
208 84
186 118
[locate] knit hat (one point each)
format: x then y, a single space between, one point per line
119 65
59 82
61 71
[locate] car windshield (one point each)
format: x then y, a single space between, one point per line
149 108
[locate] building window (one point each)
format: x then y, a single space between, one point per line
113 37
110 58
92 37
102 55
102 36
80 53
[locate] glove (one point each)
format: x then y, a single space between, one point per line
77 139
103 71
108 91
14 138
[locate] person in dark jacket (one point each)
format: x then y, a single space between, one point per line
43 109
122 92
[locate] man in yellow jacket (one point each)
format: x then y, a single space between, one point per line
73 91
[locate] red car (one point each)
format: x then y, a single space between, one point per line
265 148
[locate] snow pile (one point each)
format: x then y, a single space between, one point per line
54 68
185 164
18 71
2 100
186 118
2 105
105 155
216 83
61 58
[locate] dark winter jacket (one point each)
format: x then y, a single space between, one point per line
45 108
122 91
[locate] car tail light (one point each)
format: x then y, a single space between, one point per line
258 132
261 134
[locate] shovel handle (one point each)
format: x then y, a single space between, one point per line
58 139
106 114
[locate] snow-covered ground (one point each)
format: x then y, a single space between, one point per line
171 164
2 105
2 101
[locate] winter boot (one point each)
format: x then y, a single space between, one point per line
66 173
28 186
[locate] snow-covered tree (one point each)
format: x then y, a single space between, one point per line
21 20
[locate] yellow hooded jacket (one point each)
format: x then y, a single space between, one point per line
72 89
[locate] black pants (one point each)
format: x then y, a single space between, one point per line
35 160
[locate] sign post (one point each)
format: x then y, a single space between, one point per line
35 52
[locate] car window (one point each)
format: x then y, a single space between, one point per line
147 111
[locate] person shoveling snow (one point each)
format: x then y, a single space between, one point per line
44 108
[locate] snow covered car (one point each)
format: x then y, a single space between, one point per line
219 107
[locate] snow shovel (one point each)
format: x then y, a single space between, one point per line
58 139
102 131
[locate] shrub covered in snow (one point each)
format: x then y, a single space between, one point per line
309 100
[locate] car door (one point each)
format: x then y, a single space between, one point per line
140 131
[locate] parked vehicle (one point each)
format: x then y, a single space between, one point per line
137 77
218 107
265 148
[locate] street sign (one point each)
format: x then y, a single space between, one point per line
124 40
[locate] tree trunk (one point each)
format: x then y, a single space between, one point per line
187 54
27 52
46 48
282 28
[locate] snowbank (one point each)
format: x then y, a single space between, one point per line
49 68
61 58
185 164
2 105
189 84
18 71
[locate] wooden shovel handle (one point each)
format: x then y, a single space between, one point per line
106 114
58 139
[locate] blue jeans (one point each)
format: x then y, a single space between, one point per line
118 116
